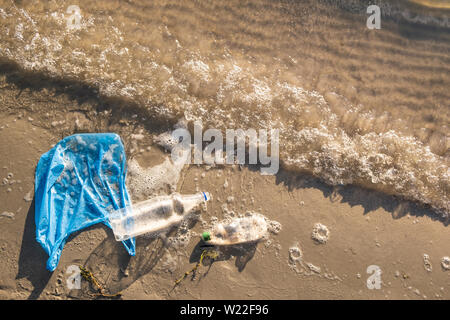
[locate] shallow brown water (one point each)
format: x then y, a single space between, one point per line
353 105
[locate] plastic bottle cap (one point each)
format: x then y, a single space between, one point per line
206 236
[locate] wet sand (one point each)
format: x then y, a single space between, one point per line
366 228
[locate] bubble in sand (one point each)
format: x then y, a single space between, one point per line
426 263
313 268
445 263
146 182
320 233
181 239
166 140
29 196
274 226
137 136
295 254
7 214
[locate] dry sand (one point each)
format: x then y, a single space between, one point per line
366 228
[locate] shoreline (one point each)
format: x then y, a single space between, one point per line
83 103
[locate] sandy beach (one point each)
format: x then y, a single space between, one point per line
364 146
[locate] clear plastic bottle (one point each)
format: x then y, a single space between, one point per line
154 215
251 228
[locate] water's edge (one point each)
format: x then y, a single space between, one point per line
92 103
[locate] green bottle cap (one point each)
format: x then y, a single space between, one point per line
206 236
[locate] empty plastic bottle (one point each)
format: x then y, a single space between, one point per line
239 230
153 215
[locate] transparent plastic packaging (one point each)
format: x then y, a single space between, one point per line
236 231
154 215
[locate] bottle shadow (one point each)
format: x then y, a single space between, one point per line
115 270
242 252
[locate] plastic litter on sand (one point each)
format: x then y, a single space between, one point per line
250 228
154 215
320 233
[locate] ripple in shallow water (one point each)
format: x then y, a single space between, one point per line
353 105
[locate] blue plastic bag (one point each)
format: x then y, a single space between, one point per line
78 182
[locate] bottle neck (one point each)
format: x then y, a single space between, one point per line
198 197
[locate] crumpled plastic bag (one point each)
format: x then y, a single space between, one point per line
78 182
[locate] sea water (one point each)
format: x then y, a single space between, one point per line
352 105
